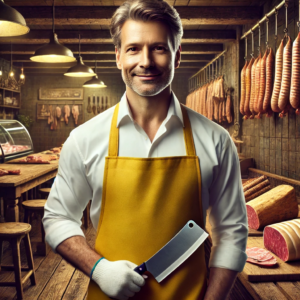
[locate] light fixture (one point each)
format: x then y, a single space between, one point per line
12 23
11 72
22 77
80 70
95 82
53 52
1 71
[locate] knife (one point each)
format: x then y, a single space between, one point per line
175 252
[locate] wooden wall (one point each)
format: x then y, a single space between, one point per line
43 138
274 143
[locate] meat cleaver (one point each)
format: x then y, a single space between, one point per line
175 252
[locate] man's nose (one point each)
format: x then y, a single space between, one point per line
146 60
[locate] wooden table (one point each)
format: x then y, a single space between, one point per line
12 186
246 290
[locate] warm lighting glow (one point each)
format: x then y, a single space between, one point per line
80 74
12 22
0 72
11 74
95 82
22 76
52 58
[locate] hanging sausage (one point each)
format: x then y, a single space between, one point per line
295 81
269 83
262 88
278 78
243 88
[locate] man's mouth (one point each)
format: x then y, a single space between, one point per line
147 76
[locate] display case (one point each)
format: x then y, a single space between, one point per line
15 140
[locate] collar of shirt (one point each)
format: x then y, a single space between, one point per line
173 112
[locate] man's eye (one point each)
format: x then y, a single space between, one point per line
132 49
160 48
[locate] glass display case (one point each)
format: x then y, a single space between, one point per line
15 140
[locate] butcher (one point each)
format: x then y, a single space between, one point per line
149 165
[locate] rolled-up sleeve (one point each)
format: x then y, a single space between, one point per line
227 213
68 198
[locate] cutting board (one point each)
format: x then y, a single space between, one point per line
253 232
43 156
283 271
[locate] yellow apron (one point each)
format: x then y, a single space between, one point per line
145 202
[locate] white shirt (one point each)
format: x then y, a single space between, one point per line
81 168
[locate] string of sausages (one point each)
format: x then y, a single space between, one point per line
210 101
259 94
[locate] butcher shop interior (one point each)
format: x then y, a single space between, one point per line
239 69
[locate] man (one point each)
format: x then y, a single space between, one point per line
149 165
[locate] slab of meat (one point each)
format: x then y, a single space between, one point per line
248 77
67 113
277 205
58 112
283 239
75 113
260 257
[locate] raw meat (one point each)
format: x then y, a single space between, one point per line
283 239
75 113
260 257
58 112
67 113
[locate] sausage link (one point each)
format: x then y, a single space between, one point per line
286 76
248 89
253 86
278 78
295 82
243 88
257 84
262 87
269 82
228 108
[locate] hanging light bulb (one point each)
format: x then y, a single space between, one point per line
11 72
53 52
1 71
95 82
80 70
12 23
22 77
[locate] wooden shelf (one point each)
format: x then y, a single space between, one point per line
6 89
10 106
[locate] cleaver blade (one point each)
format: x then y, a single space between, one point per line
175 252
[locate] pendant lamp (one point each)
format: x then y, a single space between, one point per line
95 82
80 70
22 77
53 52
12 23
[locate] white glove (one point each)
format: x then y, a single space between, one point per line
117 279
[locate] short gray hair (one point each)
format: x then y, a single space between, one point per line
146 10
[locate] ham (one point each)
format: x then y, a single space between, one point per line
260 257
67 113
283 239
75 113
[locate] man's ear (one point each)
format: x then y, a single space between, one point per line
178 57
119 65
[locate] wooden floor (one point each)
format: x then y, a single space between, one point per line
56 279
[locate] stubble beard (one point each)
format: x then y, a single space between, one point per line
157 87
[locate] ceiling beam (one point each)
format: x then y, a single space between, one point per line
107 57
103 36
100 65
101 15
29 49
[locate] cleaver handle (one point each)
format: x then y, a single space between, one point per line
141 269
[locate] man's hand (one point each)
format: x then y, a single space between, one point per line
117 279
220 283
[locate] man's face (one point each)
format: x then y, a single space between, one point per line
147 58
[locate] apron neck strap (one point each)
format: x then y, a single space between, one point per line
113 148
